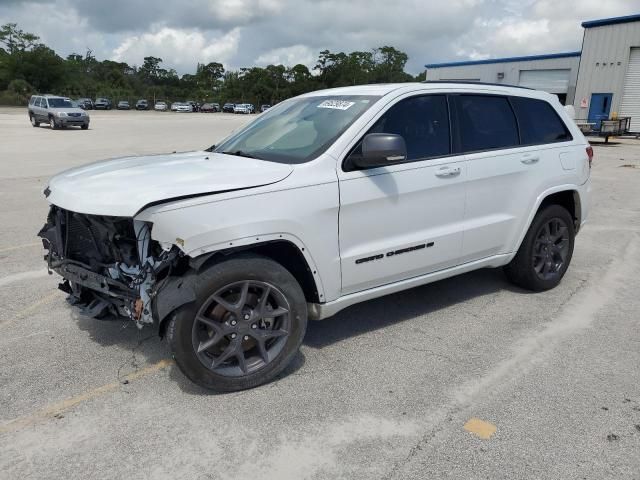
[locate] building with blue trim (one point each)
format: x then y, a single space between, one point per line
601 81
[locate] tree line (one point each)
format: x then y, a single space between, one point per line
28 66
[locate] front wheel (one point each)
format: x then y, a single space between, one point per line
546 251
53 124
34 122
245 327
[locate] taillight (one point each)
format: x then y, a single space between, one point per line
590 154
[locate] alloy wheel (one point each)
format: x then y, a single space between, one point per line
241 328
551 249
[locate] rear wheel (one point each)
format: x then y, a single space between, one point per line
546 251
245 327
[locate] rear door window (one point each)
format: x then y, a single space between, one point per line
539 123
485 122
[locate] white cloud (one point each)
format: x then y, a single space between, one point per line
179 48
288 56
244 11
242 33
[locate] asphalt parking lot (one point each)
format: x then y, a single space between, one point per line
466 378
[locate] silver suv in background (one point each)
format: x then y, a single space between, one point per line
58 112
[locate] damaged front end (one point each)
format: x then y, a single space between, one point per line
110 265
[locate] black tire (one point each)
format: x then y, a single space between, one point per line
84 127
52 123
187 333
546 251
34 123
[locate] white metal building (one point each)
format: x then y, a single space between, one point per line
609 75
553 73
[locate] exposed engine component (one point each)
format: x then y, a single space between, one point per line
110 265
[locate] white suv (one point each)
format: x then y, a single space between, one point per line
326 200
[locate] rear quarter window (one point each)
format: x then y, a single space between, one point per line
538 121
486 122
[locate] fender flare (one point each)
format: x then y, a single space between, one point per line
180 291
539 199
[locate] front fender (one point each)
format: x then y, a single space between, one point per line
306 217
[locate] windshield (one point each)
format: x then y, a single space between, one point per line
59 103
297 130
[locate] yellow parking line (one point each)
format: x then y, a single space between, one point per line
60 407
16 247
480 428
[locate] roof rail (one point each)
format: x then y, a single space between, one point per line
468 82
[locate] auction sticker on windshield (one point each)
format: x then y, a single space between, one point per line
336 104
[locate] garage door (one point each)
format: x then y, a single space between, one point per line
552 81
631 94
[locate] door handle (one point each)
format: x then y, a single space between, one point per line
530 159
447 172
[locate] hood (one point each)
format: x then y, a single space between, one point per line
67 110
124 186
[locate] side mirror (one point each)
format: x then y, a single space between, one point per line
381 149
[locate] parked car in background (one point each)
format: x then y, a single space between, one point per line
228 107
58 112
194 105
264 108
102 104
174 106
183 107
160 107
142 104
123 105
85 103
251 107
210 107
330 206
241 108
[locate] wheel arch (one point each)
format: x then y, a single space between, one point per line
567 196
179 291
569 199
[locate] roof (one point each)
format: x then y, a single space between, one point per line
376 89
381 90
611 21
529 58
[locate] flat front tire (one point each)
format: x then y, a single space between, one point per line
546 251
245 327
